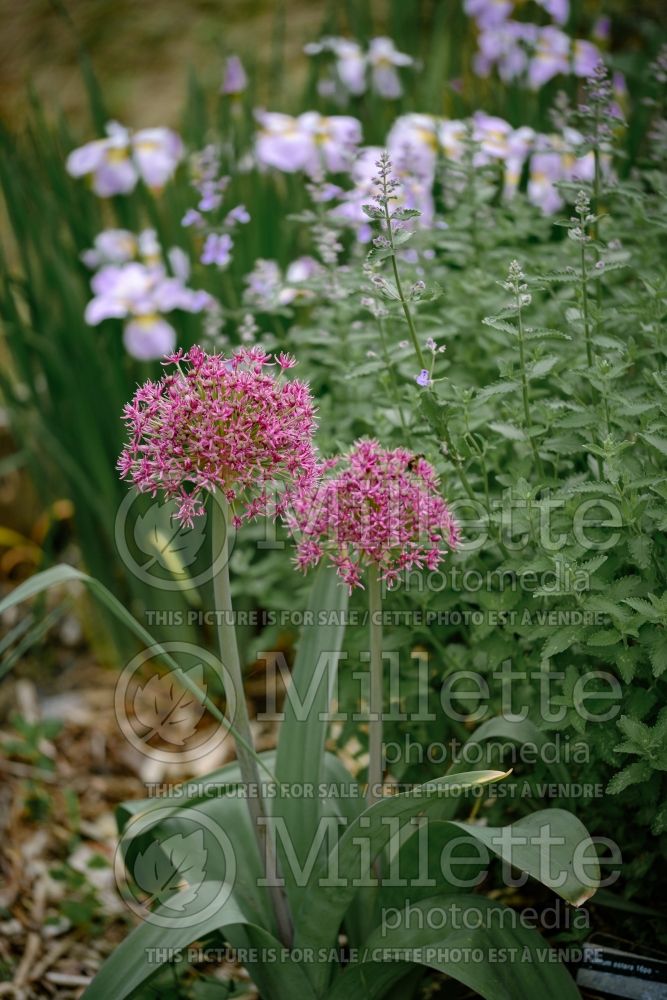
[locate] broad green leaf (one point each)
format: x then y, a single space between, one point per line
144 822
145 950
510 431
633 774
561 640
520 732
335 882
542 367
542 845
496 389
161 869
657 442
604 637
516 961
300 755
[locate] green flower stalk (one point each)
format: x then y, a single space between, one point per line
378 512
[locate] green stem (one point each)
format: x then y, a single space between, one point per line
399 287
392 377
229 656
585 310
584 290
455 459
377 688
524 386
406 309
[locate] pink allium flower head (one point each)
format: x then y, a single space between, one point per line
373 507
224 423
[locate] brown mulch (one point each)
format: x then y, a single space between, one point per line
60 812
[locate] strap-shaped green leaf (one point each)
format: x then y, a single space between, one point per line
300 756
471 940
335 882
147 948
552 845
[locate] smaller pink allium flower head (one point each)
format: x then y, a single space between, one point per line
222 423
373 507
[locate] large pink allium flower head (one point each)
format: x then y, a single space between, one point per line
234 424
373 507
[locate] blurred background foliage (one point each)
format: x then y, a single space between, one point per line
142 52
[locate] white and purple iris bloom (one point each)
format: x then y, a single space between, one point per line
380 63
142 293
524 51
312 142
349 64
384 59
555 159
115 164
417 143
113 246
492 13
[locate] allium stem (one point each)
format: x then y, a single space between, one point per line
377 687
229 656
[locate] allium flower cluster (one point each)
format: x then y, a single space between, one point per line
116 163
374 507
222 423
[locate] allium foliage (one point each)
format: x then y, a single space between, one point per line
375 506
222 423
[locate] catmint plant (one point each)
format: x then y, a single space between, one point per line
518 289
393 235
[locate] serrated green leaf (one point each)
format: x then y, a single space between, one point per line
604 637
633 774
509 431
